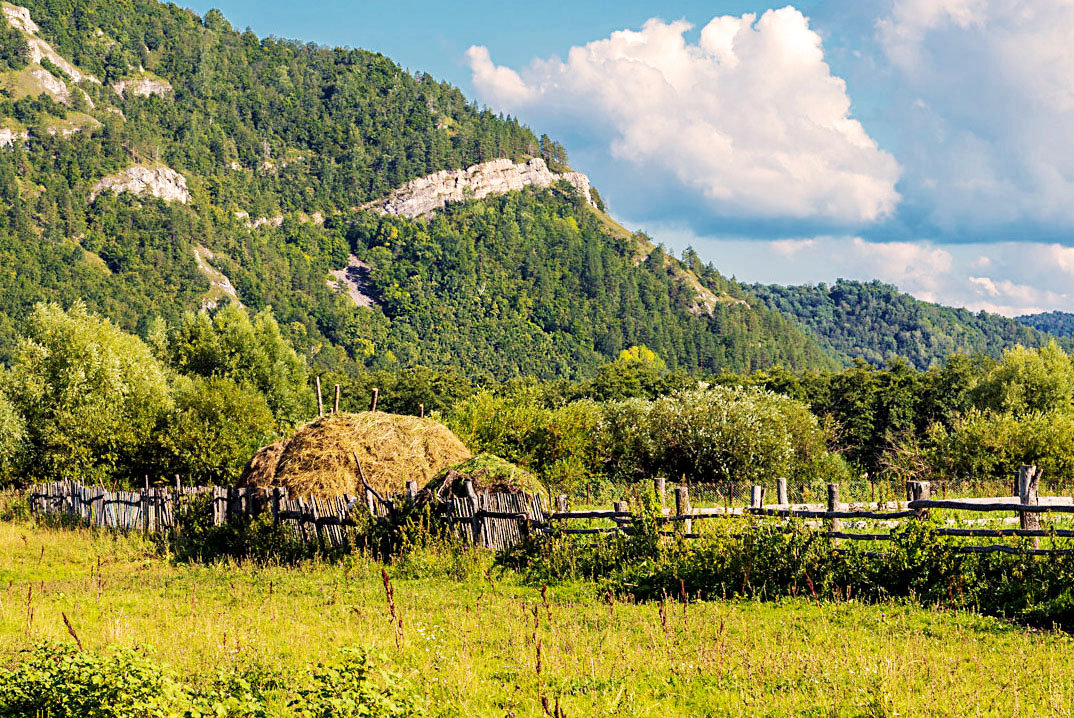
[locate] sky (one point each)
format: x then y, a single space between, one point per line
924 143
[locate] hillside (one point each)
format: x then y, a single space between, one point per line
876 322
1060 324
154 162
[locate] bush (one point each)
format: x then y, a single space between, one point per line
92 397
988 446
60 681
721 434
216 427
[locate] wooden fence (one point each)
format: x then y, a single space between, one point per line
499 520
492 520
829 518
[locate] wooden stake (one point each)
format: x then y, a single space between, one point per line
682 507
335 409
781 492
1028 481
756 497
320 403
376 392
833 505
659 486
421 411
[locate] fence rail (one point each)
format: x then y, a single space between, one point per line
1028 505
502 520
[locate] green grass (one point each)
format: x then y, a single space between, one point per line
468 636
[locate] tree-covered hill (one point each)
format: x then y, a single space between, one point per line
875 322
1060 324
537 283
277 142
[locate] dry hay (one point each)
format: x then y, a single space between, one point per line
489 474
393 449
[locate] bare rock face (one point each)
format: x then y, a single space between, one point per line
19 18
427 194
142 87
8 136
353 280
51 84
162 182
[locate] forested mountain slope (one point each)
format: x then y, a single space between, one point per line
875 322
1060 324
153 162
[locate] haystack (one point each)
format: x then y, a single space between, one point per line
489 473
319 459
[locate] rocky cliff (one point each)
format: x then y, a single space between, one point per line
430 193
162 182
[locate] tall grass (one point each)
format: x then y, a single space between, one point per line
472 637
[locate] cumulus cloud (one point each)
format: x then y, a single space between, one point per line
988 92
748 122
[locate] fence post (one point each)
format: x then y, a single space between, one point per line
335 407
412 489
781 492
320 403
682 507
476 522
756 497
561 503
376 393
1028 481
833 505
275 505
920 491
659 486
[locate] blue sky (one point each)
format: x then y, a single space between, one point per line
927 143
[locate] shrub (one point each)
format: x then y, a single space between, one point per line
216 427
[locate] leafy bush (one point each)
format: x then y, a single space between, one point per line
989 446
60 681
91 395
349 690
216 427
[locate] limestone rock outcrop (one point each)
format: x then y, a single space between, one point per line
162 182
8 136
427 194
19 18
142 87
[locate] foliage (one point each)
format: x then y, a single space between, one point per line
229 344
1056 323
91 395
215 428
12 440
1027 380
64 682
349 690
989 446
61 681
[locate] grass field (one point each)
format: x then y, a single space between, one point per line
470 638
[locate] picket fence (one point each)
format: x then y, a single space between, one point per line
493 520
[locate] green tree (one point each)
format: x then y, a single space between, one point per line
216 427
248 351
92 397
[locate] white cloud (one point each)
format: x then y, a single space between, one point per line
1007 278
748 122
988 87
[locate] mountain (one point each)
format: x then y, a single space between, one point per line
154 162
1060 324
876 322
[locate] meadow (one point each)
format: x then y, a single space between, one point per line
473 640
